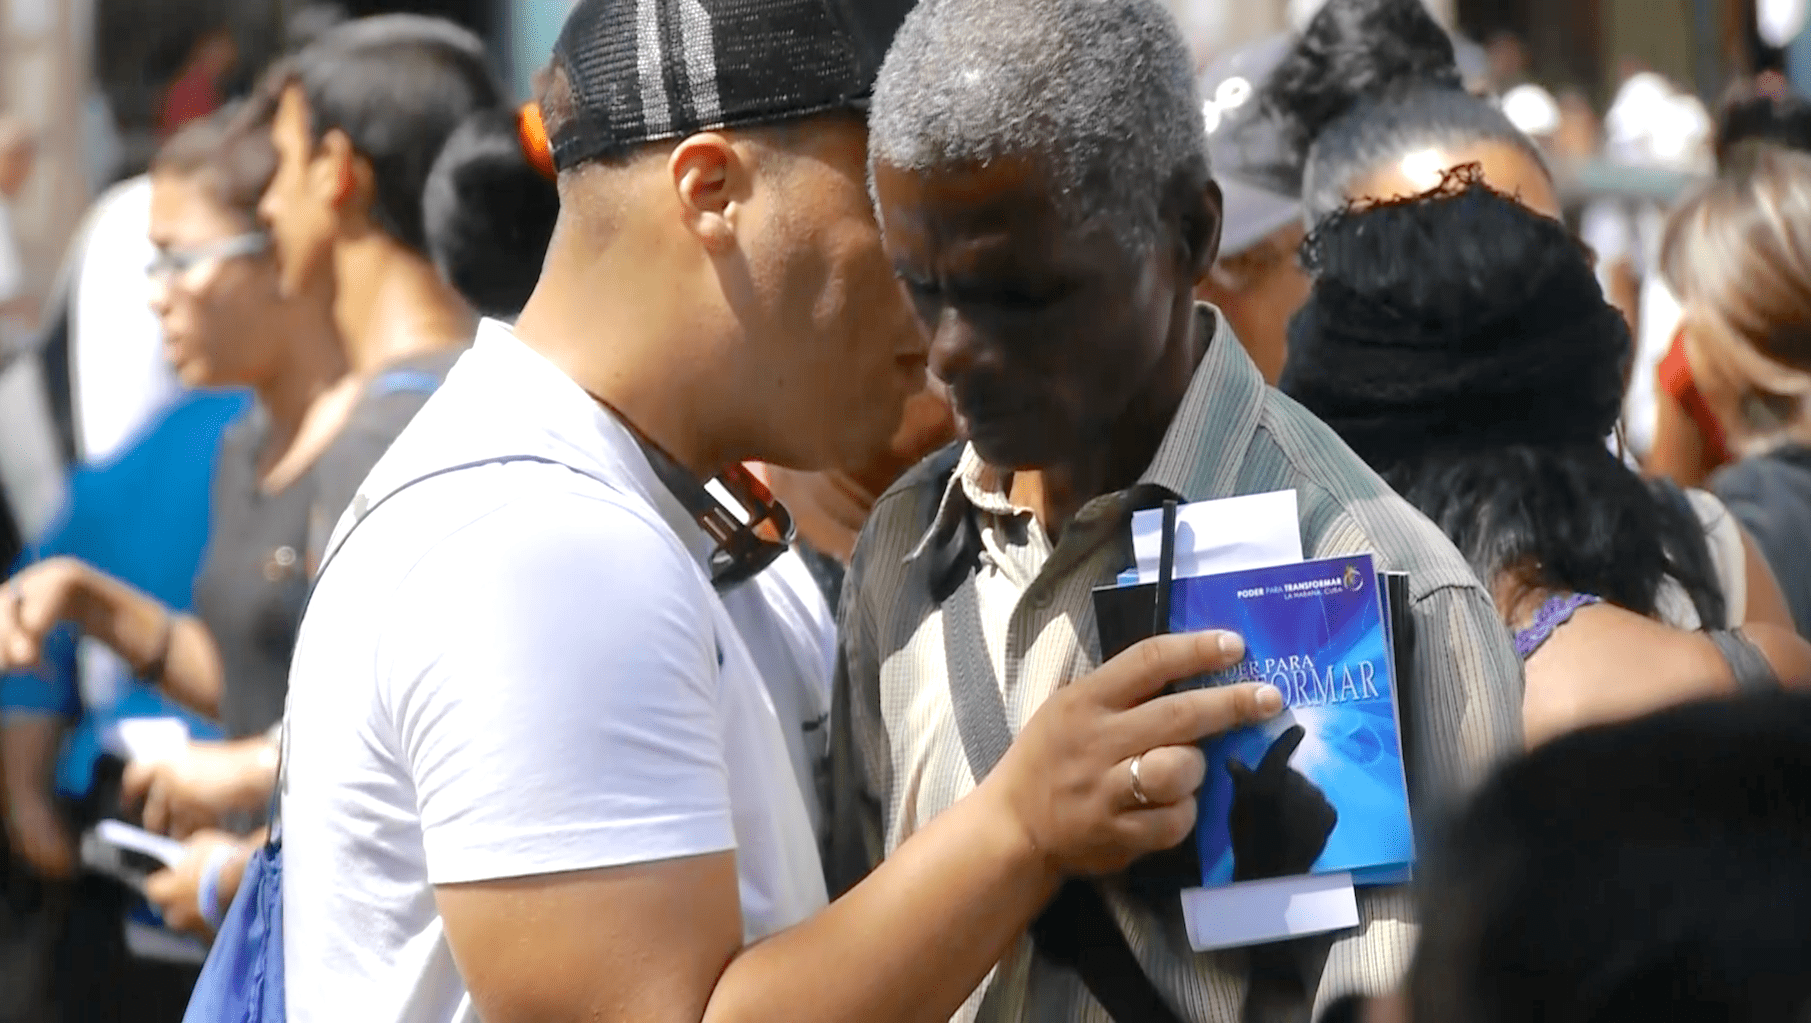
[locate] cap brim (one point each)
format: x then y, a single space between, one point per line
1252 214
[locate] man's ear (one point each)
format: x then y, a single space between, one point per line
1202 218
342 177
711 180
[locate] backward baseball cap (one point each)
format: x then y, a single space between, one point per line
646 70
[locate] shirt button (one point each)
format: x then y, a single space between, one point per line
1042 600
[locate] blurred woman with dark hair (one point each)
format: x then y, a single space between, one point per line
1738 255
1460 343
1372 98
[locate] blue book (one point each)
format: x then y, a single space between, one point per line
1320 789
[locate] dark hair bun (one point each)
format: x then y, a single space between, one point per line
1459 319
490 214
1356 50
1751 118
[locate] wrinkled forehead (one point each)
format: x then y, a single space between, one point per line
1009 201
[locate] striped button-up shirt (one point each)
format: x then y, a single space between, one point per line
898 758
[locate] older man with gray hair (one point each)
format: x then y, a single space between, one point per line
1041 173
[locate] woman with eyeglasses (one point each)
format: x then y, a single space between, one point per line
227 324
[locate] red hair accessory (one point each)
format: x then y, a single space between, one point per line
533 133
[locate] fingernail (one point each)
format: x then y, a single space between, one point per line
1232 644
1270 699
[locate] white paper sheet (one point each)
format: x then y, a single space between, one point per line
1256 912
1230 535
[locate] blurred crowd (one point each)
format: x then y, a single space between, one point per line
696 447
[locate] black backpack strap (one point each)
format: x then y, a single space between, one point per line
1077 930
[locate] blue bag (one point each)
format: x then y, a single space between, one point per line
243 979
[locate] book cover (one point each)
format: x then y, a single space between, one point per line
1320 789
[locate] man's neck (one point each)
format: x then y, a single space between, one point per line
393 304
653 361
314 362
1056 493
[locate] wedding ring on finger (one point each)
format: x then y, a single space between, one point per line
1138 792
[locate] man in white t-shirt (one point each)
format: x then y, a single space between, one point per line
533 771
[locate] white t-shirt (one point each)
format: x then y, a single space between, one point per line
514 670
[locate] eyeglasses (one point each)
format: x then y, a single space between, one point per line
745 545
170 264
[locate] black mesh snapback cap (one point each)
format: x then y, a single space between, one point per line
645 70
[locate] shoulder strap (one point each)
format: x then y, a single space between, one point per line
361 514
1077 930
1753 673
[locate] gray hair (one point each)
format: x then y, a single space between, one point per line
1101 92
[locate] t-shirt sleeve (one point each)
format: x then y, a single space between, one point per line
553 688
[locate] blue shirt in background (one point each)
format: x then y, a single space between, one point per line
141 518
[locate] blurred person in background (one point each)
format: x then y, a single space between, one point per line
1460 343
31 459
195 91
103 329
1652 871
1372 99
310 22
1738 255
141 517
1689 444
1256 280
18 158
830 507
215 291
1657 130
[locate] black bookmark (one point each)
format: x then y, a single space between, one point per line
1166 573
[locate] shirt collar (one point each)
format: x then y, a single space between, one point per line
1198 459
